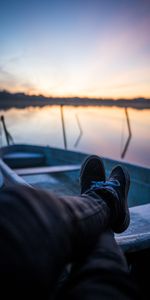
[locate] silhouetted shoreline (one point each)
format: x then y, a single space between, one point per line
21 100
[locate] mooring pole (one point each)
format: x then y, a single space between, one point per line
63 126
5 130
130 134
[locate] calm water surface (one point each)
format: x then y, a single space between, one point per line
99 130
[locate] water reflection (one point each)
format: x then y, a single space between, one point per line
80 132
125 149
99 130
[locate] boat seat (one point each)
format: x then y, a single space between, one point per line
47 170
24 159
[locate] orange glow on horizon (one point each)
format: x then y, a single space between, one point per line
34 92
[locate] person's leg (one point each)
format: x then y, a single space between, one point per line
40 233
103 274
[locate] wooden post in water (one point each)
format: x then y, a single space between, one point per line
7 134
63 126
129 137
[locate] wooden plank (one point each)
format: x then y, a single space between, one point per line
46 170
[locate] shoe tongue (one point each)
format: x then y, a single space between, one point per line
101 187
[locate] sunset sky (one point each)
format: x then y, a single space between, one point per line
75 47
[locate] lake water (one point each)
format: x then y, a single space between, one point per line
99 130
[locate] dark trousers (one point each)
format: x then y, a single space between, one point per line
41 233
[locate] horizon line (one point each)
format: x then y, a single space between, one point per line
71 96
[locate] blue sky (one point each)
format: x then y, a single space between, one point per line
76 48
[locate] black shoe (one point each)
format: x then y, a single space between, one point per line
119 183
92 170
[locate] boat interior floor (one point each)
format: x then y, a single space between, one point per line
66 183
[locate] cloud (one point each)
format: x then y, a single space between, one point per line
6 77
11 82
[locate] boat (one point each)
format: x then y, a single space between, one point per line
58 170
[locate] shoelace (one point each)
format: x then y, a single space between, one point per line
100 184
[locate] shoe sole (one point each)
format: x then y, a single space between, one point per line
126 221
87 160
